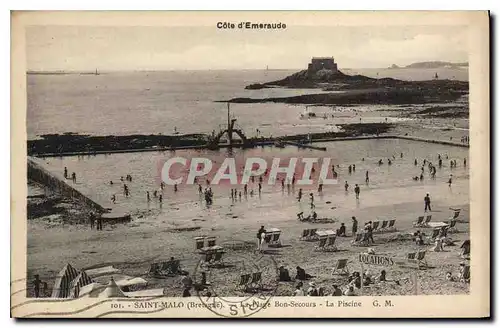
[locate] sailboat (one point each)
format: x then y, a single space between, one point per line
436 76
96 72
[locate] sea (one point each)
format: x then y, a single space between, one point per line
166 102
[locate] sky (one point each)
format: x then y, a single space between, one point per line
107 48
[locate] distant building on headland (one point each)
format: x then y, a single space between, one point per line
319 63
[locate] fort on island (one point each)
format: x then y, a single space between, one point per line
319 63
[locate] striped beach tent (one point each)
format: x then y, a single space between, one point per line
63 281
81 280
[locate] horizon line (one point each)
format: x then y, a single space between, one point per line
217 69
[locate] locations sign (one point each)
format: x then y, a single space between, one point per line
376 259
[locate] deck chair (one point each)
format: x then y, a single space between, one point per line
411 256
465 249
340 267
330 246
420 257
217 259
210 241
435 234
419 222
208 257
312 234
465 275
154 269
456 213
244 281
321 245
276 239
200 242
383 226
391 225
375 225
428 219
256 282
305 234
451 227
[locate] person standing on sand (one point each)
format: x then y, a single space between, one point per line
300 195
91 220
65 172
449 181
357 191
36 285
99 223
427 201
261 231
354 226
113 199
465 162
346 186
311 199
416 163
367 179
148 198
73 177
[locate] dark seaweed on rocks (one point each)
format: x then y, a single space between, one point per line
359 89
69 142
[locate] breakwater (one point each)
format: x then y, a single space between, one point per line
37 173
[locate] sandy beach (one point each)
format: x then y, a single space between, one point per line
157 233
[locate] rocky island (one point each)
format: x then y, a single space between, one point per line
322 73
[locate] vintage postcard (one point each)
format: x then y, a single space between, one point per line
250 165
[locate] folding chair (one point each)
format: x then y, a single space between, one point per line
340 267
276 239
208 257
175 266
435 234
419 221
312 234
420 257
391 225
451 227
165 267
256 282
383 226
456 213
330 246
428 219
217 259
305 234
322 244
375 225
200 242
154 269
465 249
244 281
210 241
465 274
